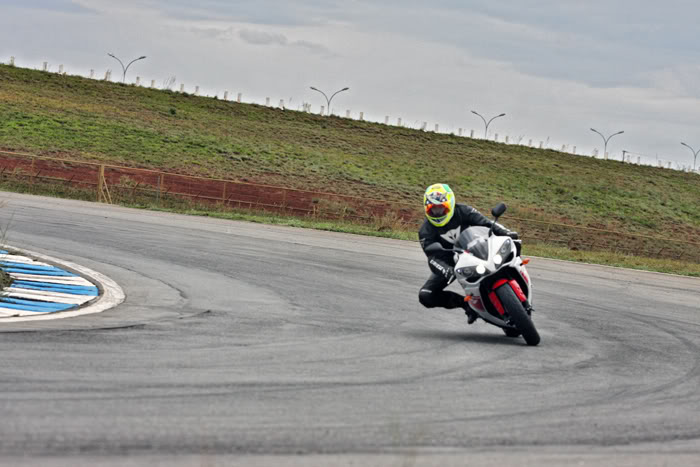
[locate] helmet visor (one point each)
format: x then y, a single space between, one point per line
437 210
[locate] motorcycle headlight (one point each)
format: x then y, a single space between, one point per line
472 273
468 272
506 251
506 248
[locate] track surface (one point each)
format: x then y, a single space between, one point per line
239 339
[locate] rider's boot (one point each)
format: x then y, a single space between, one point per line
471 314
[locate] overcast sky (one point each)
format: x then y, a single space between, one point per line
555 67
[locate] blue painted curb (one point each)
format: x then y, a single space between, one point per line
27 296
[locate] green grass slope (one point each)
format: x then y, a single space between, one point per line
48 114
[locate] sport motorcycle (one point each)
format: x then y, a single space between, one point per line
494 278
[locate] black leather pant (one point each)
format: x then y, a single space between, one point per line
433 295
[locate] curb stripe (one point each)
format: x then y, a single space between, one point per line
52 279
30 267
42 297
49 287
18 306
45 272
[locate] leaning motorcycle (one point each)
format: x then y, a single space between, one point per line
495 280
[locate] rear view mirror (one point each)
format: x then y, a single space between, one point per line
498 210
434 248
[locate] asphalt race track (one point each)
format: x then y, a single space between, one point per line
241 341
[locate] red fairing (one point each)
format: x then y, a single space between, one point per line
499 283
518 291
497 303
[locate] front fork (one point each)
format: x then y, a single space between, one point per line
518 292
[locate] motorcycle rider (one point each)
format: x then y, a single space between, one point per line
445 221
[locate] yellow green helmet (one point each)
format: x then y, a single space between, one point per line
439 204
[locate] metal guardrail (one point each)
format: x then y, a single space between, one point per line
120 183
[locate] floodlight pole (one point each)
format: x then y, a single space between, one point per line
486 124
605 150
124 68
328 101
695 154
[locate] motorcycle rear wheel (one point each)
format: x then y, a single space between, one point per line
518 315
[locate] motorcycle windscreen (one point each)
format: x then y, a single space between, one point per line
475 241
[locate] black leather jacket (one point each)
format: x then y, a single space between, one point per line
464 217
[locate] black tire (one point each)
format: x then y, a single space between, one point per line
518 315
511 332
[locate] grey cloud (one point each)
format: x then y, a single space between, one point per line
256 37
262 38
270 12
65 6
312 47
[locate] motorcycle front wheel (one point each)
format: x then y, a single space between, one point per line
518 315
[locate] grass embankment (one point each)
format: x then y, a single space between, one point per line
93 120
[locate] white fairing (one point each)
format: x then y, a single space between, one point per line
467 260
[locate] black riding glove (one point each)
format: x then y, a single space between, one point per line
501 231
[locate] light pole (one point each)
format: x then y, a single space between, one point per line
124 68
695 154
605 150
328 101
486 124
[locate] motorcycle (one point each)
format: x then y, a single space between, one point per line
494 278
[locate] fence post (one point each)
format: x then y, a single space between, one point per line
239 97
574 150
100 182
223 194
46 66
160 186
32 170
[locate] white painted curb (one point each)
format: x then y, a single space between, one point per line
112 294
